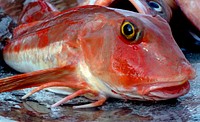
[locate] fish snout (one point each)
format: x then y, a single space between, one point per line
164 86
169 88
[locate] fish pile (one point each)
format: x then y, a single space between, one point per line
96 50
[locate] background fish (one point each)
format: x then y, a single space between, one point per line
152 7
191 10
184 24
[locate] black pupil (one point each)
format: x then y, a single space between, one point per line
128 30
153 4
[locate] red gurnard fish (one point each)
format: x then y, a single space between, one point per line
98 52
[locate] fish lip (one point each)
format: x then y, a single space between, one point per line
157 91
146 88
168 91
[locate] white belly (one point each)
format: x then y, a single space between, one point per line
37 59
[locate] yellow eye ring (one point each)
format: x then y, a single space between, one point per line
128 30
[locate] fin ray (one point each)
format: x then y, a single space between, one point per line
62 75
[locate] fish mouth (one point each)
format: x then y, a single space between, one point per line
157 91
168 92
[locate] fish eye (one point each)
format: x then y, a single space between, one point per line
155 6
129 30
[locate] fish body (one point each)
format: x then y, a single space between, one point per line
98 52
185 23
191 9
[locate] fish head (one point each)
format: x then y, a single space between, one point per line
136 56
153 7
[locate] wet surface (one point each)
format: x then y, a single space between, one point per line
37 107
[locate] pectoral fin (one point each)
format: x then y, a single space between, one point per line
62 76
